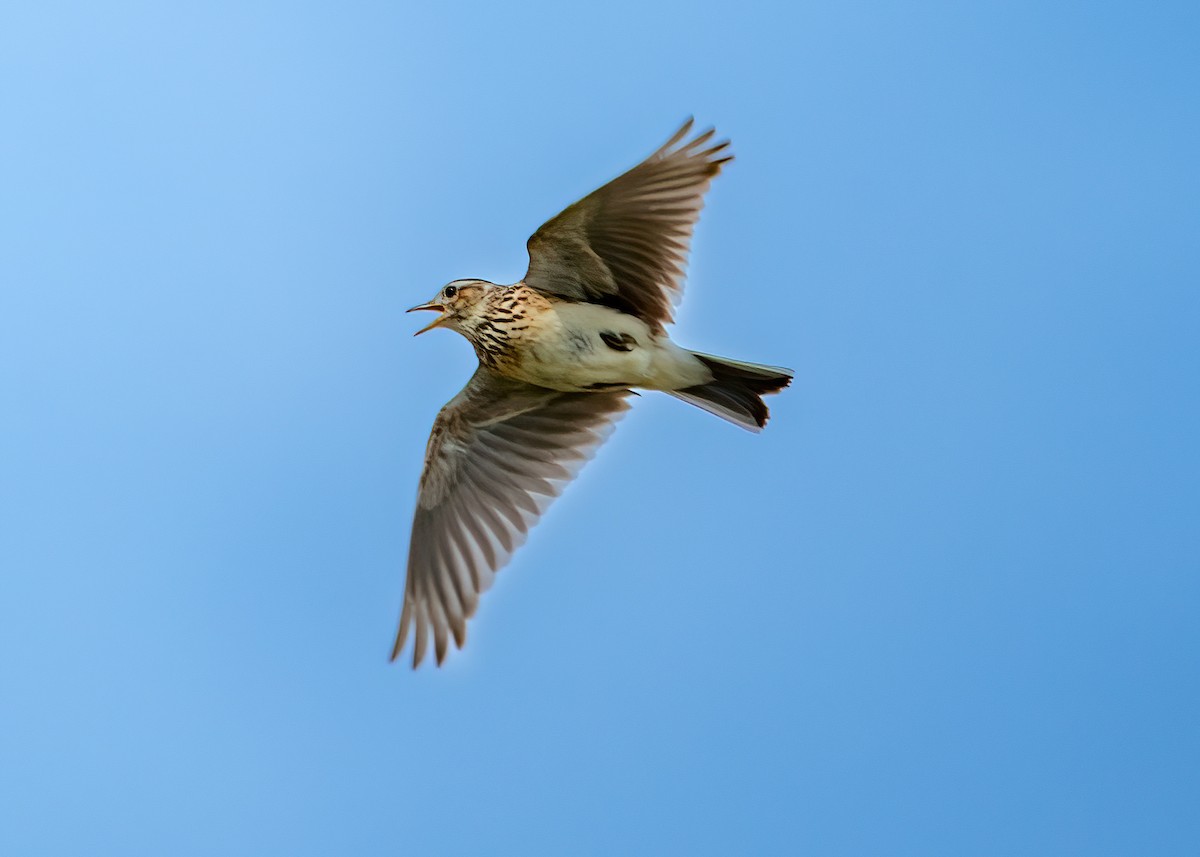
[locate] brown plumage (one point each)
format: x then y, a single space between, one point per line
559 353
625 245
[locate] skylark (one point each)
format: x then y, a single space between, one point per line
559 354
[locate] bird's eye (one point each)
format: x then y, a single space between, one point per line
450 291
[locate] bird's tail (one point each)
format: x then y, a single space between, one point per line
736 390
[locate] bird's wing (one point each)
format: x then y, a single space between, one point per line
500 452
626 244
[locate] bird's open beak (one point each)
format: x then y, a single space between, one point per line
436 307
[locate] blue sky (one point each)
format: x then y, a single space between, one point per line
944 605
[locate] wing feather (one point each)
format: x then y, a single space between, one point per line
625 245
499 453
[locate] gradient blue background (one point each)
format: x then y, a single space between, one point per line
946 604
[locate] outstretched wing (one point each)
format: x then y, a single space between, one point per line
626 244
500 452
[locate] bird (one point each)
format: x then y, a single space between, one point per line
560 354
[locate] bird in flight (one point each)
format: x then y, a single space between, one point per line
559 354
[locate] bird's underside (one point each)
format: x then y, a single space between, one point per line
559 352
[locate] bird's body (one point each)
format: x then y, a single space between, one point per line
559 353
573 347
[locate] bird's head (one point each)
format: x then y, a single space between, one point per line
458 302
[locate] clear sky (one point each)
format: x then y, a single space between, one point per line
945 605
